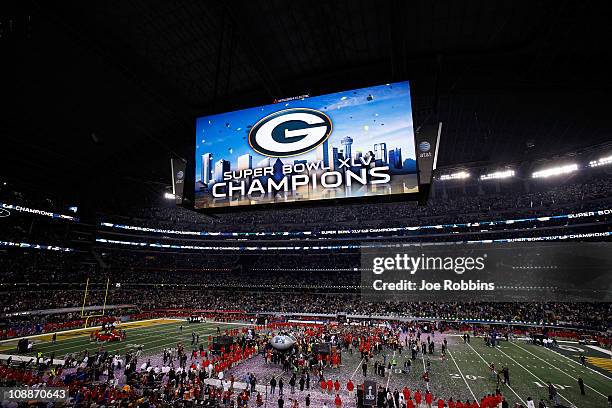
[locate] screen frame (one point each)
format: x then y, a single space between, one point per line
420 196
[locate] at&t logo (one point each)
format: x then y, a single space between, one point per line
290 132
424 148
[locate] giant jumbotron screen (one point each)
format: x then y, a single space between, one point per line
353 144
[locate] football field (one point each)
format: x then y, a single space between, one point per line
464 374
153 335
531 367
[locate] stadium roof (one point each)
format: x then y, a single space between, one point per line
106 90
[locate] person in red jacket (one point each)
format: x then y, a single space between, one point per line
323 385
428 399
425 377
440 403
451 403
338 401
406 392
474 404
417 398
350 387
459 404
409 403
337 386
330 386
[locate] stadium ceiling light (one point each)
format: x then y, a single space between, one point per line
503 174
169 196
455 176
555 171
601 162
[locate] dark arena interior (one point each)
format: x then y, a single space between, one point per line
295 204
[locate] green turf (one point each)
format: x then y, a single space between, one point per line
531 367
152 338
465 374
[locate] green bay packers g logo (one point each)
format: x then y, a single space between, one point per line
290 132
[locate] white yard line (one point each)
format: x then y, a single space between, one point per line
535 376
462 376
601 350
564 372
390 371
355 372
425 368
423 358
487 364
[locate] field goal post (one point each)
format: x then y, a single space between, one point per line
87 317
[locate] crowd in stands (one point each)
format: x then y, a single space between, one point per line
461 206
596 316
